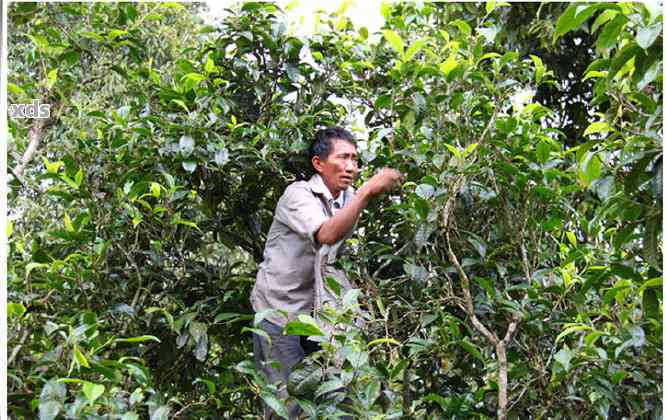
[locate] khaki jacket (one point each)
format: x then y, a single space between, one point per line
286 277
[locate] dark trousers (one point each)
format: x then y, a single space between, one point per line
287 350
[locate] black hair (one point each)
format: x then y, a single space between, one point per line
323 141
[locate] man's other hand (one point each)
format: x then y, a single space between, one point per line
384 181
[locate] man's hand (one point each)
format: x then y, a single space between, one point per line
383 181
335 228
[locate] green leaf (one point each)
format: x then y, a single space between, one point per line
416 272
471 349
181 104
115 33
647 35
78 178
422 208
593 73
539 68
384 340
68 223
275 404
15 90
80 357
186 145
303 328
441 401
590 169
463 27
604 17
611 33
572 238
574 16
350 299
425 191
469 149
210 385
415 48
92 391
651 249
51 78
139 339
395 41
333 285
33 265
563 357
454 150
571 329
15 310
627 52
304 380
656 282
161 413
191 80
189 166
230 317
172 5
329 386
543 152
651 304
372 391
209 67
383 101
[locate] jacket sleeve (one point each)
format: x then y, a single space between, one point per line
301 211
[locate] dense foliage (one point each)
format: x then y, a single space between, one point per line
517 273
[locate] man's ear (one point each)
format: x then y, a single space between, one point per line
317 164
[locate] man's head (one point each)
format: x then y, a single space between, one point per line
334 156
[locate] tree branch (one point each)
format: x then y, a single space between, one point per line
34 138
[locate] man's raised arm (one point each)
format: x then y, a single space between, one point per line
339 225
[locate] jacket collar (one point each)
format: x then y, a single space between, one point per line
317 186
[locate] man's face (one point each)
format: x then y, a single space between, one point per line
340 167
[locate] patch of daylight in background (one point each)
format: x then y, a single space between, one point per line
303 21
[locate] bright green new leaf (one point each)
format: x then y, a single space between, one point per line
115 33
597 127
92 391
209 66
68 223
539 68
15 310
448 65
303 328
181 104
384 340
570 329
51 78
415 48
395 41
80 357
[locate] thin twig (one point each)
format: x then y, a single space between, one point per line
16 349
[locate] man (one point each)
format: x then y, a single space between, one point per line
310 214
